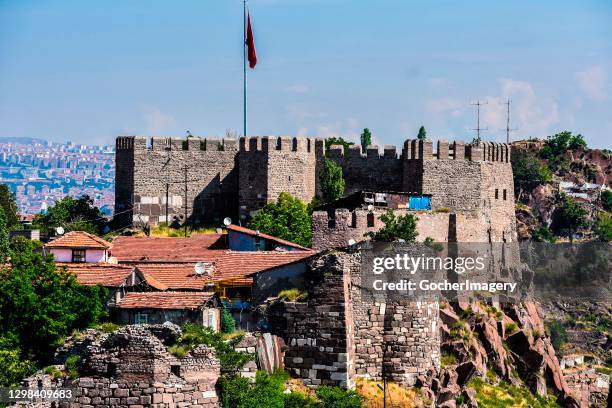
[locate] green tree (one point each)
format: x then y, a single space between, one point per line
606 200
422 133
12 368
40 305
556 145
528 171
331 180
73 215
288 218
9 205
4 238
568 217
228 324
329 142
396 227
366 139
603 226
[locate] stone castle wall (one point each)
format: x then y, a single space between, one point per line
334 231
229 177
340 335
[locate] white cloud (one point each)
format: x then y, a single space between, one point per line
297 88
593 82
532 114
446 106
157 122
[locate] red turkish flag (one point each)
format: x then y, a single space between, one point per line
250 42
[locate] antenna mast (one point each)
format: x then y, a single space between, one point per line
508 129
478 104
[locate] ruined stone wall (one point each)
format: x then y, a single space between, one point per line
319 333
212 178
341 334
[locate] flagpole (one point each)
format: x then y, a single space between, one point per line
244 72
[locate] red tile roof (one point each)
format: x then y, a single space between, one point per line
78 239
166 249
254 233
173 276
164 300
104 274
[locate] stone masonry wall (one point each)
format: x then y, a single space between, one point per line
212 178
336 232
226 177
398 340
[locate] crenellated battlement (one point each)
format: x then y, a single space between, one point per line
158 143
415 149
280 143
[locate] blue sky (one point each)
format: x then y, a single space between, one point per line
89 71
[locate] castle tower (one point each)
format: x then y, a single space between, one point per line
269 166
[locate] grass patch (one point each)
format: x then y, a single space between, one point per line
72 366
398 395
504 395
54 372
163 230
292 295
511 327
108 327
448 359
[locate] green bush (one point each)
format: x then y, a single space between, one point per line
228 324
558 335
12 368
331 180
292 295
606 200
297 400
511 327
603 226
396 228
336 397
108 327
266 392
72 366
231 360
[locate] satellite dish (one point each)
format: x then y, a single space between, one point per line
351 242
370 207
227 221
59 230
200 268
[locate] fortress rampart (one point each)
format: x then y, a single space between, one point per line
229 177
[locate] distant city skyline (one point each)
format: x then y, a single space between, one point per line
87 72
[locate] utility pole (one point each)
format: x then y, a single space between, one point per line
185 206
478 104
508 129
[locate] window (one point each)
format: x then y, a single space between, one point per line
505 195
78 255
257 244
141 318
496 193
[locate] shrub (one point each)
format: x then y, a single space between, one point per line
297 400
72 366
336 397
178 350
228 324
266 392
396 228
331 180
231 360
558 335
606 200
603 226
511 327
448 359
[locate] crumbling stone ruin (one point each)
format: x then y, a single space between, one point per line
132 367
339 334
473 183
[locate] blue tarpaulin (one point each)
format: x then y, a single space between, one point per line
419 203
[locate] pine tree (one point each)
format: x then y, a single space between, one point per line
422 133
